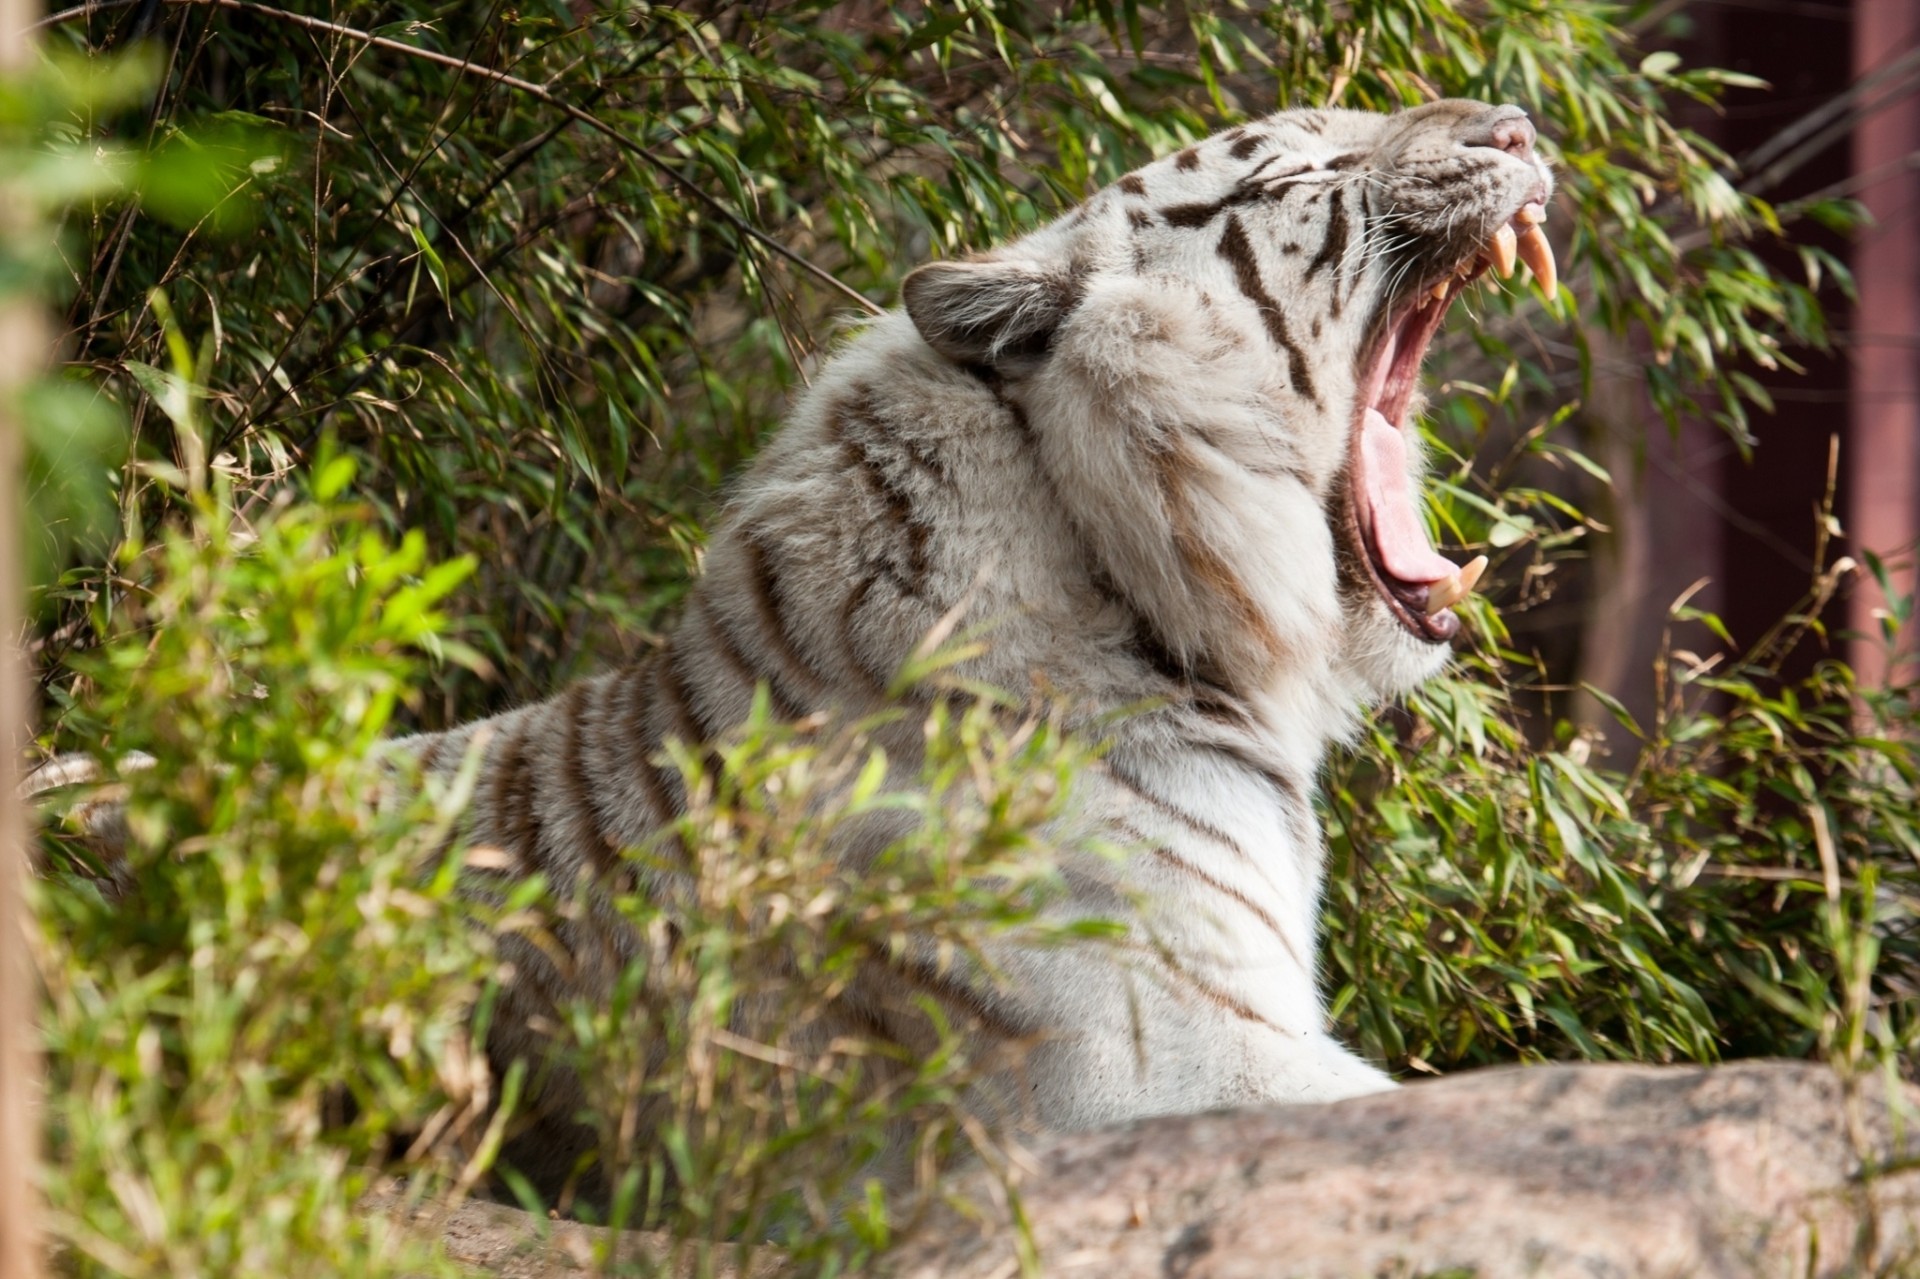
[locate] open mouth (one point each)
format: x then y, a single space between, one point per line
1419 585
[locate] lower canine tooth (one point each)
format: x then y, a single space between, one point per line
1538 255
1533 213
1501 247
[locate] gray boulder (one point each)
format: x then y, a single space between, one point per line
1758 1168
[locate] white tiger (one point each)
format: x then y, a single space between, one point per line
1163 443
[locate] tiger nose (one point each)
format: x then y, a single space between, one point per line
1502 128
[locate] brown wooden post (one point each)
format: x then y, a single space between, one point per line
21 347
1885 463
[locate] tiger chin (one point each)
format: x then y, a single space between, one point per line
1164 445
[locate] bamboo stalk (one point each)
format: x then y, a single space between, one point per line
21 340
519 85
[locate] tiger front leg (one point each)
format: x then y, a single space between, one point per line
1116 1044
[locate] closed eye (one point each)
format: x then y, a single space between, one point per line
1276 182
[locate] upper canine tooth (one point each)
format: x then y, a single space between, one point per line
1450 591
1538 255
1438 292
1532 213
1444 594
1502 249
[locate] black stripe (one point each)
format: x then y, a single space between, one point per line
662 785
766 609
1333 249
603 749
573 782
867 425
785 704
1219 705
516 817
1144 643
961 997
1199 214
706 728
1173 859
855 600
1193 215
894 501
1168 808
1292 794
1256 186
1224 1000
1193 689
672 683
866 1022
1238 252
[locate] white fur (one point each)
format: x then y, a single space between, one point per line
1123 441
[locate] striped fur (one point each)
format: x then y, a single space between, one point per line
1125 440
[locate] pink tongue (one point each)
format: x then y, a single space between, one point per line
1397 531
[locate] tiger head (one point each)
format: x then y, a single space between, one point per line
1262 301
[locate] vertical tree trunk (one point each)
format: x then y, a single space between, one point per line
1885 460
21 339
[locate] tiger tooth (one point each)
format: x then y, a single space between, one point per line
1449 591
1538 255
1502 248
1532 214
1444 594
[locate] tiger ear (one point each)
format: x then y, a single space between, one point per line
988 312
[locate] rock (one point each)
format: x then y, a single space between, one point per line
1739 1170
494 1239
1753 1169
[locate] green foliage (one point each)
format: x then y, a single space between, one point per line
232 1041
75 439
1743 889
287 988
786 1137
549 348
540 351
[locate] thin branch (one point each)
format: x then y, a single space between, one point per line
449 227
1839 106
519 85
402 185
